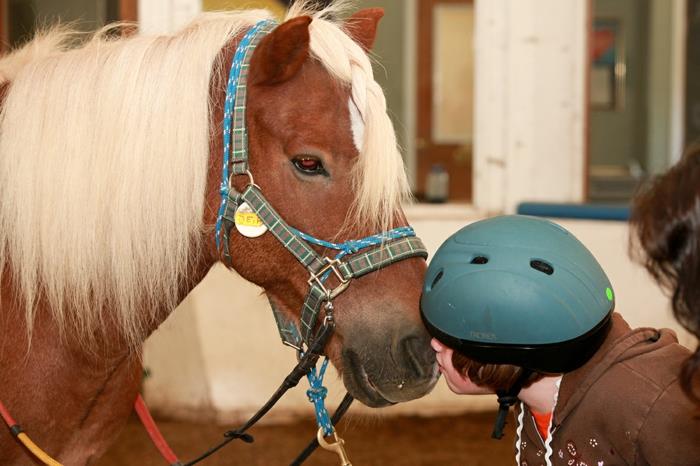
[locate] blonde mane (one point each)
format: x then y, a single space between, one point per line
104 151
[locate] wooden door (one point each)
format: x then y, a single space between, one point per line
18 20
4 37
444 100
128 10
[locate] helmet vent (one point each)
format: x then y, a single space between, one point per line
437 278
541 266
479 260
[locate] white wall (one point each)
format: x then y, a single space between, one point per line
529 102
219 356
163 16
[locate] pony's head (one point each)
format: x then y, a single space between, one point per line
323 151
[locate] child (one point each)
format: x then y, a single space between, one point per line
519 307
666 230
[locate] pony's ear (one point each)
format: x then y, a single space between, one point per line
362 26
281 53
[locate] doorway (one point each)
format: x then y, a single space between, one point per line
444 96
636 93
19 19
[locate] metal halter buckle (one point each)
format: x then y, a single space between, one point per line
331 265
247 173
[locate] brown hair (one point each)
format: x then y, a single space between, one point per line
494 376
665 238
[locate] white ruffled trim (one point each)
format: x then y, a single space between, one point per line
548 442
550 434
518 433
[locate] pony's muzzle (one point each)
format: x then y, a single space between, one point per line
394 369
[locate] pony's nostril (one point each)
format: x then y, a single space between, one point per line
418 355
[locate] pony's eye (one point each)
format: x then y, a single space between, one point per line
309 165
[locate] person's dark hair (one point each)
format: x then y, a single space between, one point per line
494 376
665 238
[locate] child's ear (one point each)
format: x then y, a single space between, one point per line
437 345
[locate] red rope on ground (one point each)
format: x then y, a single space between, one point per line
6 416
153 432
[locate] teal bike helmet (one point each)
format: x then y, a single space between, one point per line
518 290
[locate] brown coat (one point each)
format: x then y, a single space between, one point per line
623 407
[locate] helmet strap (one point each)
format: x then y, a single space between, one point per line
506 399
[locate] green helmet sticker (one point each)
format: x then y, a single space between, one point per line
609 293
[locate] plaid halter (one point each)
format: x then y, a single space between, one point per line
378 250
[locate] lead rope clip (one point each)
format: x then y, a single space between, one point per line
338 446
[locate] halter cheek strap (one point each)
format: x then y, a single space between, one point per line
235 131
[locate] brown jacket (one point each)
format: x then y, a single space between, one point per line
623 407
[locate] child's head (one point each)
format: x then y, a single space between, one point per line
515 297
666 239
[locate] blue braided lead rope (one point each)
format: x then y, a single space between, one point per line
317 395
233 79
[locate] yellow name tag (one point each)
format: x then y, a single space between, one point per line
248 219
247 222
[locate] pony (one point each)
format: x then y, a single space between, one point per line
110 167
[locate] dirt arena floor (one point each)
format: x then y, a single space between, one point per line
392 441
